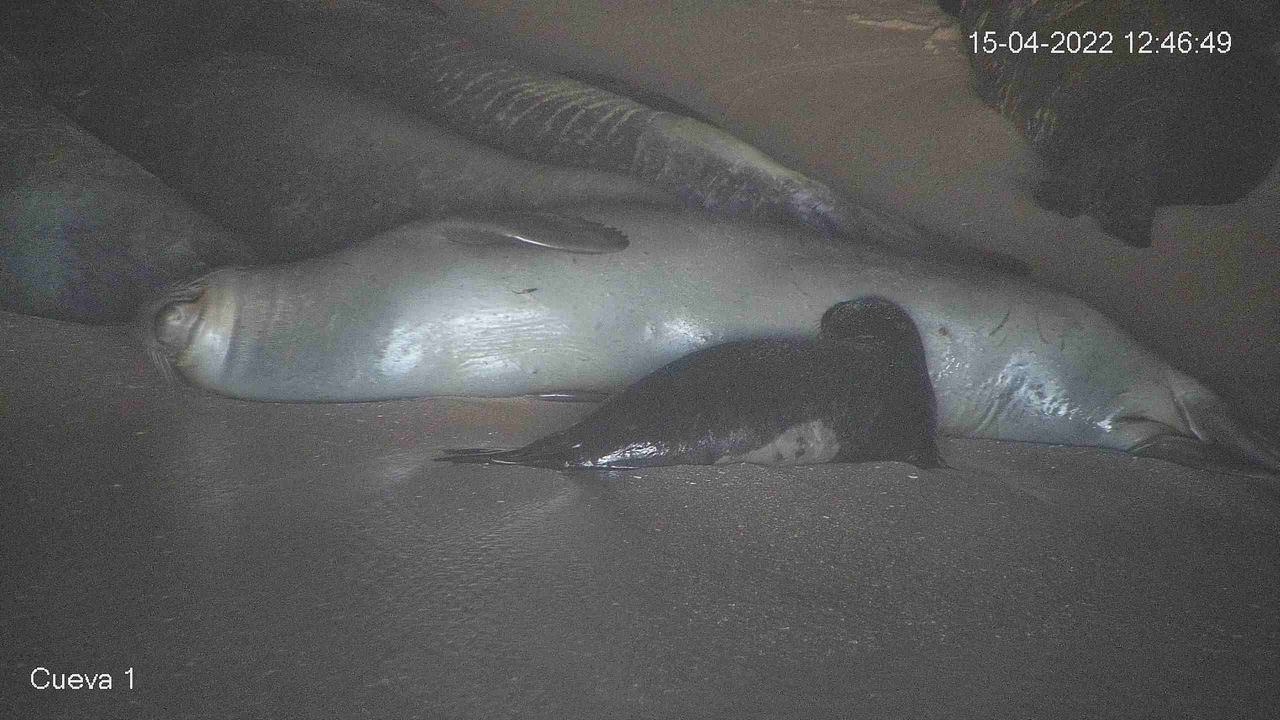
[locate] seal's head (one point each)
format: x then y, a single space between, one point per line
167 323
872 320
871 325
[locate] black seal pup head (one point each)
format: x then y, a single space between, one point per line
859 392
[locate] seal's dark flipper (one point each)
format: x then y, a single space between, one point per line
1195 454
1218 427
549 230
473 455
539 454
644 96
483 456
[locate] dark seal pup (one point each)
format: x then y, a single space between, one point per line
860 392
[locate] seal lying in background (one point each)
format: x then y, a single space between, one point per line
515 304
859 392
86 234
1179 105
409 57
273 148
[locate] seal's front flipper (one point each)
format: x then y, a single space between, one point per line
1222 442
549 230
1213 422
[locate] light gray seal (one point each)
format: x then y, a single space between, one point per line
858 392
472 308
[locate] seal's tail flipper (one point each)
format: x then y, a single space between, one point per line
476 456
1196 454
535 455
1225 443
1215 423
550 453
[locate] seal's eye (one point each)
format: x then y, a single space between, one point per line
174 323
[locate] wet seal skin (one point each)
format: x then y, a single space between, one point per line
476 308
858 392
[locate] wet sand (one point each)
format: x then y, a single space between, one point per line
252 559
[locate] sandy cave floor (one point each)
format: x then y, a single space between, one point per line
311 560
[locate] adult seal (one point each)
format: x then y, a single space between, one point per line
1133 105
859 392
291 157
527 304
409 57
